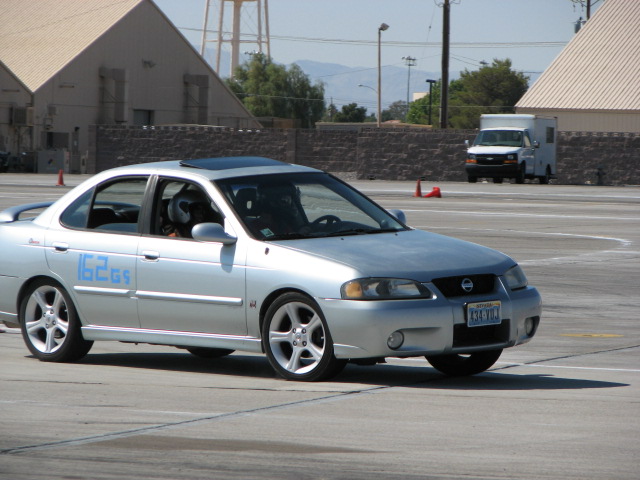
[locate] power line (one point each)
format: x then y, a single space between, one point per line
392 43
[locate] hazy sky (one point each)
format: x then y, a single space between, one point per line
529 32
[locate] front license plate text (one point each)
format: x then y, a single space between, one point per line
484 313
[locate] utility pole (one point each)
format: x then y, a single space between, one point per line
381 28
409 62
444 97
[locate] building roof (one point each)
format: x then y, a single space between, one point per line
39 37
600 67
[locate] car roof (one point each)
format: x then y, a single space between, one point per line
216 168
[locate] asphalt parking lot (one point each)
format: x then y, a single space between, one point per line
566 405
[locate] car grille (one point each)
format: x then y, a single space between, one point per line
490 159
452 286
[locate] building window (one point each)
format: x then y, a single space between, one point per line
143 117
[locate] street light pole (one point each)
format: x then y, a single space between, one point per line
409 62
431 82
381 28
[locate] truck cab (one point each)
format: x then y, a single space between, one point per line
513 146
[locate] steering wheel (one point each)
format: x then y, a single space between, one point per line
329 219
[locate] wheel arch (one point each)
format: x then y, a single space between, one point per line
27 284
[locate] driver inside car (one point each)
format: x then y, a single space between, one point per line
186 209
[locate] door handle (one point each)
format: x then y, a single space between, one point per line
60 247
150 255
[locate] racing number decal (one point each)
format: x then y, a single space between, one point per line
98 270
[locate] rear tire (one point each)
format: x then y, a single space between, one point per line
472 179
204 352
50 324
463 365
497 180
544 179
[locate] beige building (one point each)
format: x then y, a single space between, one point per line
594 84
65 65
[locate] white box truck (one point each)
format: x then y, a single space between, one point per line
513 146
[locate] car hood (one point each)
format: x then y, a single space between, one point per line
413 254
479 150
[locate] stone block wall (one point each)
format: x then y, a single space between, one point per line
385 154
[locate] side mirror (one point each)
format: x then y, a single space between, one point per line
212 232
536 144
466 142
399 214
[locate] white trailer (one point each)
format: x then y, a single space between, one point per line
513 146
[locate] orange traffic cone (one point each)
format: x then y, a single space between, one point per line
418 190
60 179
434 193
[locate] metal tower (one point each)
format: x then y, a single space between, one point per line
249 25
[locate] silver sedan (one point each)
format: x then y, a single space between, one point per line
247 253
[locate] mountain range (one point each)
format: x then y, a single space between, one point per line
341 83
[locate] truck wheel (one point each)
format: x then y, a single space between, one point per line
472 179
521 173
544 179
463 365
497 180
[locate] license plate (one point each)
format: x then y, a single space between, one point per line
480 314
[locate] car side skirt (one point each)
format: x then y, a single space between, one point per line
171 337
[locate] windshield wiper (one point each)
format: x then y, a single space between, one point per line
289 236
360 231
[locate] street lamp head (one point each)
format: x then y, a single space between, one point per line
431 81
383 27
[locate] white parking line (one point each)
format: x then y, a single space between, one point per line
539 365
372 191
522 215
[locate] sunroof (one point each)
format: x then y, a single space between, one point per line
226 163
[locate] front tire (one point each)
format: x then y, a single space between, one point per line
463 365
50 324
297 341
522 173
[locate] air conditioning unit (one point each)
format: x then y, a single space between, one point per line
22 116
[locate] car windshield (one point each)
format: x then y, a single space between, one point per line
305 205
502 138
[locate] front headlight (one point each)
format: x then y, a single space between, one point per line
383 289
515 278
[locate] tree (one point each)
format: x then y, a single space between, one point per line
419 110
268 89
351 113
491 89
396 111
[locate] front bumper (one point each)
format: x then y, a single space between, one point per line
492 171
360 329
